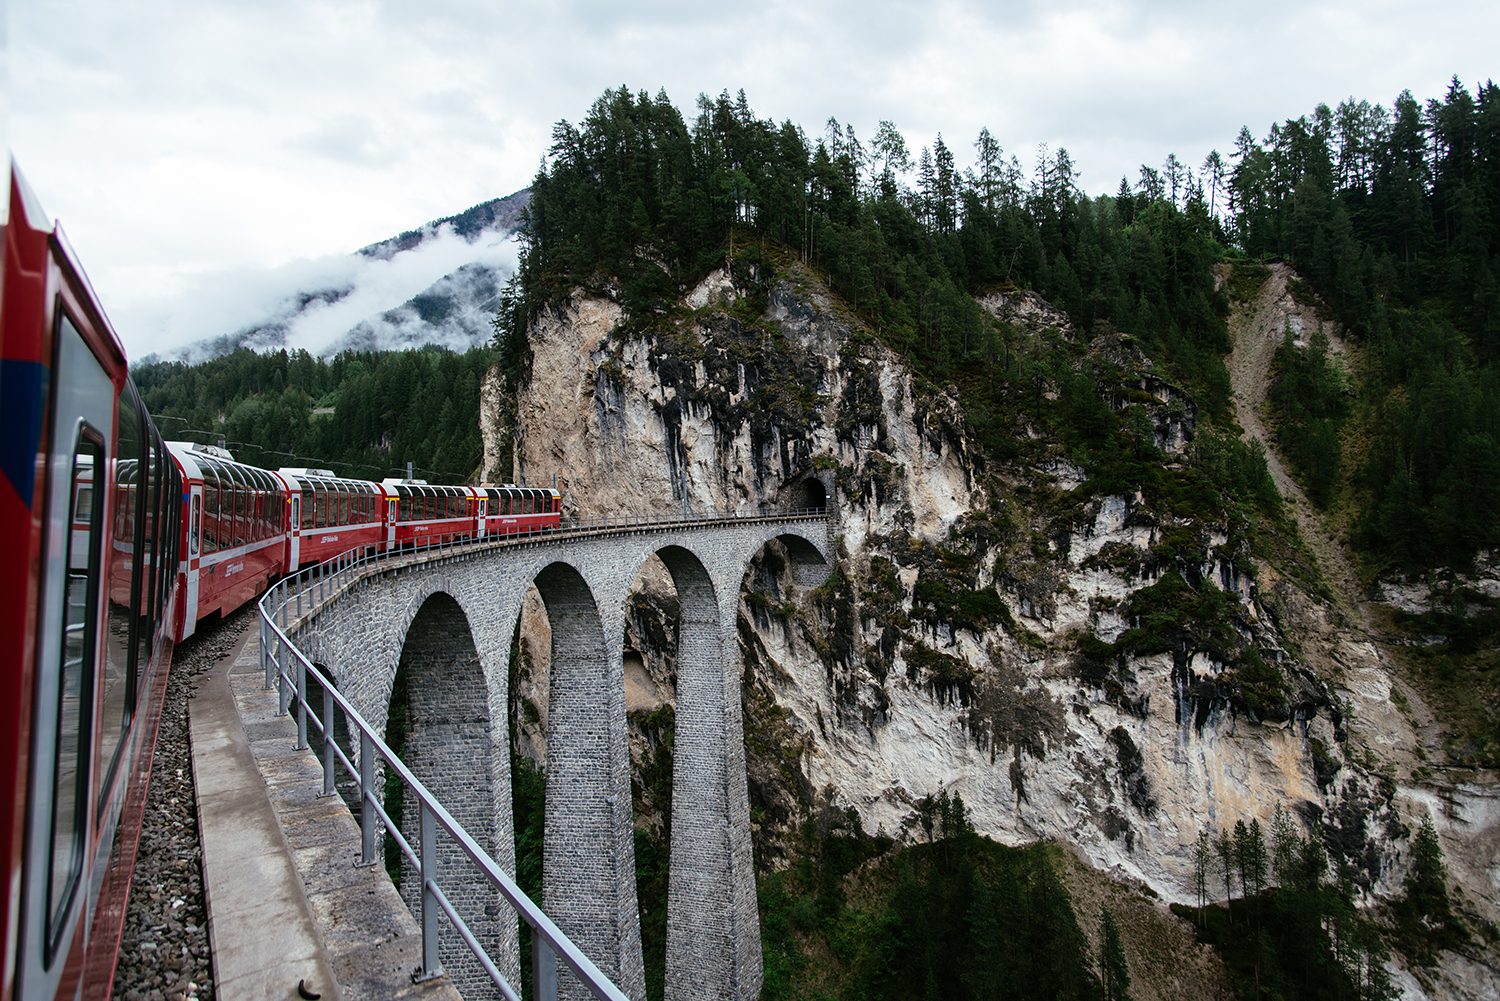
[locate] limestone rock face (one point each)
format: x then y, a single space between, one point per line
961 642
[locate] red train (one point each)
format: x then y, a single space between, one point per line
114 544
244 527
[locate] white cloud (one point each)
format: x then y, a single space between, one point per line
210 305
180 137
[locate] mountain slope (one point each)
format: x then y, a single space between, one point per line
436 284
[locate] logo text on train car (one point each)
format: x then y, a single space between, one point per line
233 568
329 538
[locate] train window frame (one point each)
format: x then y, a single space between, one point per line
195 520
59 900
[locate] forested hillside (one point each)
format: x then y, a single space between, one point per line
1394 216
1390 213
363 415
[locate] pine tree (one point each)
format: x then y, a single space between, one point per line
1203 860
1284 847
1426 880
1114 974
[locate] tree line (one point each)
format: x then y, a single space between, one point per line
1295 929
360 414
954 915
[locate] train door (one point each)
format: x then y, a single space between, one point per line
293 557
55 881
390 523
194 557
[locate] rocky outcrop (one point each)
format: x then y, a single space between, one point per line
1080 667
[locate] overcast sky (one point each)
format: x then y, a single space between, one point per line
184 142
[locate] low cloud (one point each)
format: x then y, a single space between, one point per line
307 304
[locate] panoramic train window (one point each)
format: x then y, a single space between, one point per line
210 522
127 470
148 510
75 686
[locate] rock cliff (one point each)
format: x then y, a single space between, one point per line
1110 673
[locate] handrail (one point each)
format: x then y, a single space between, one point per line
287 668
548 941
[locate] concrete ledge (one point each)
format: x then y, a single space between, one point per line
286 902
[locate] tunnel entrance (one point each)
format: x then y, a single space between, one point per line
807 495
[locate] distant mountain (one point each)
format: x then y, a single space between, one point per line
437 284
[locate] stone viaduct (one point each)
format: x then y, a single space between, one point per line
448 623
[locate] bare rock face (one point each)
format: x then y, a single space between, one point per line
1088 670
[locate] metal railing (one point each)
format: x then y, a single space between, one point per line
286 667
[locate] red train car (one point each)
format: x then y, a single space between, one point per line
89 516
330 515
513 510
416 511
234 538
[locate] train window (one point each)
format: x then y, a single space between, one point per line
320 507
149 511
240 494
221 508
211 502
405 514
344 507
75 689
307 507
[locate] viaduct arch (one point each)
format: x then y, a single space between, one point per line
447 624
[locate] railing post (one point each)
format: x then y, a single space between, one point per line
543 969
431 909
301 704
366 798
268 656
329 758
283 685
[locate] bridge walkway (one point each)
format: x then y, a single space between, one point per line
286 902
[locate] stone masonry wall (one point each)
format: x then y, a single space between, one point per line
460 738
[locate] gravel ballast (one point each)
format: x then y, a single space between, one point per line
164 952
